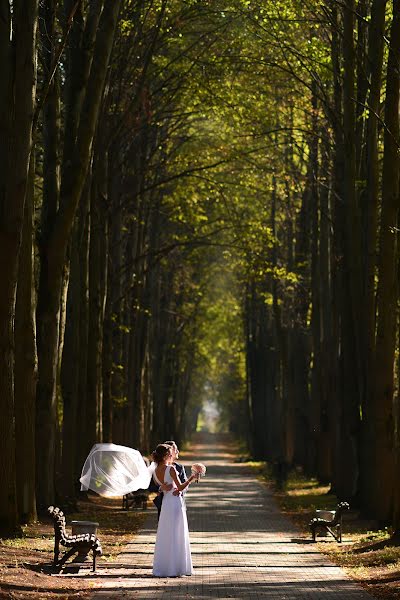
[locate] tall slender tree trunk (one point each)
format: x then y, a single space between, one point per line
396 495
380 499
97 275
281 343
327 347
108 408
301 342
316 389
85 217
361 90
54 255
370 228
347 448
107 363
136 366
375 60
337 254
47 336
117 373
26 366
263 374
73 350
17 99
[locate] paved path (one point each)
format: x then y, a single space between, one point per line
242 546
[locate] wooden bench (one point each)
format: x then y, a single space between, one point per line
137 499
329 521
81 543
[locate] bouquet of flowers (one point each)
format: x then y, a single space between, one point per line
198 470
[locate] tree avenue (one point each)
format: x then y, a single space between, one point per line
199 202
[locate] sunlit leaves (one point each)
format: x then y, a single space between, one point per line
227 99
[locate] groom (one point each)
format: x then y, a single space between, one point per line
180 469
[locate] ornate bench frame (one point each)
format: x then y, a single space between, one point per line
81 543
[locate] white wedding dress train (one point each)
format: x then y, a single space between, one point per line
172 556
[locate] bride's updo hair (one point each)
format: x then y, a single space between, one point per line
160 453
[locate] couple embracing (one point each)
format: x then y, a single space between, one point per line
172 556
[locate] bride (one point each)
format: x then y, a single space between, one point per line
172 557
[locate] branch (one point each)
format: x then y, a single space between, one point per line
56 62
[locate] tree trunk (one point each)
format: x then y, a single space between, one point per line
301 344
327 347
19 71
85 217
107 365
370 228
381 475
280 344
117 374
26 367
262 372
396 411
375 60
97 275
47 336
73 350
362 89
54 254
316 389
347 448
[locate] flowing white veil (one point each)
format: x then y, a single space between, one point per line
112 470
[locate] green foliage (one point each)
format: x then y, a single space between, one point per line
228 92
227 97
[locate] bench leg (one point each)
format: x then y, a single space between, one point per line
332 532
94 561
67 555
127 504
56 551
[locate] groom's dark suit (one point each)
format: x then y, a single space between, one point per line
153 487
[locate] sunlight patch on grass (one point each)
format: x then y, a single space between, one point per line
254 464
315 490
29 543
375 558
370 536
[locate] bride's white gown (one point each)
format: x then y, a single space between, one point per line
172 557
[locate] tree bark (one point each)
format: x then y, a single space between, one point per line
26 366
86 232
300 336
54 255
380 498
370 228
48 336
72 363
97 291
349 295
18 89
316 388
117 373
327 348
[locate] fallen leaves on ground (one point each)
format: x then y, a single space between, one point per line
26 570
